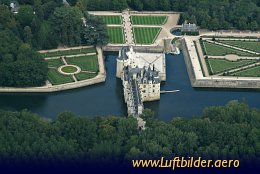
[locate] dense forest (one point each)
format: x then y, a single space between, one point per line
41 24
222 132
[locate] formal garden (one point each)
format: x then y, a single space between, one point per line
71 66
236 57
142 35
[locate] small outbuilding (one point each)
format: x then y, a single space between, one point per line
189 29
14 5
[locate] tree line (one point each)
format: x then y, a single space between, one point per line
222 132
209 14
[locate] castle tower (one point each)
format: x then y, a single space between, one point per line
122 61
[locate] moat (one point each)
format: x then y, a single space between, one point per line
107 98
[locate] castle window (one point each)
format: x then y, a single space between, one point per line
153 85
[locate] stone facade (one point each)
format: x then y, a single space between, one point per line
140 83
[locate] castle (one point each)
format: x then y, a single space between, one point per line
140 77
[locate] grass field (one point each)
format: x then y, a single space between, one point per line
54 63
218 50
148 20
116 35
253 46
112 19
251 72
145 35
69 52
85 76
69 69
56 78
221 65
86 63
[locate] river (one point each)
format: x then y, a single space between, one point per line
107 98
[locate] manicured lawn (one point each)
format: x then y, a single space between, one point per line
221 65
148 20
253 46
56 78
116 35
54 63
86 63
145 35
251 72
69 69
112 19
85 76
218 50
70 52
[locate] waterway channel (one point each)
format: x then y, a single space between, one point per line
107 98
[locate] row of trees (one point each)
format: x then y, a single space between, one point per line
226 132
211 14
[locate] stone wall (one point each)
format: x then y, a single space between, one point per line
220 81
145 49
98 79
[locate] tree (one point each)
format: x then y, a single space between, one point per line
25 15
94 32
66 23
27 35
20 66
242 23
253 25
38 9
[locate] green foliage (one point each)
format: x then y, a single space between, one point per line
223 132
94 31
211 14
20 66
66 23
25 15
